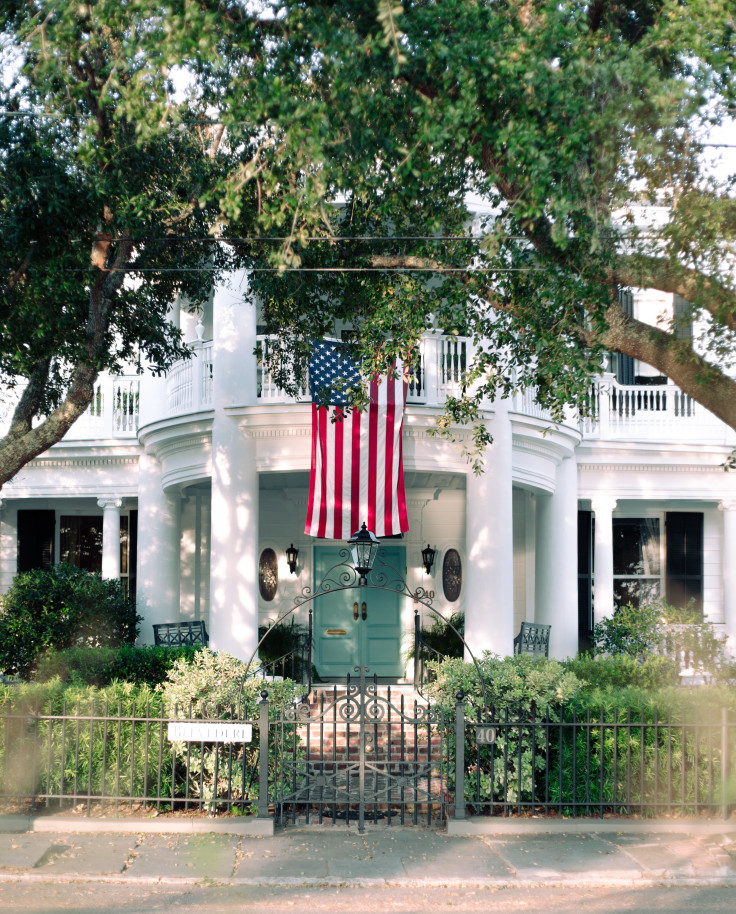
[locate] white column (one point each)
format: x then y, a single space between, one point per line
603 507
110 536
489 575
233 621
729 572
556 561
8 544
157 595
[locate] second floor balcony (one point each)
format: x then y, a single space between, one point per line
617 412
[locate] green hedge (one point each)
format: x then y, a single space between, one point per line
562 741
59 608
100 666
114 741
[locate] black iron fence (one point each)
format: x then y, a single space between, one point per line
597 763
507 763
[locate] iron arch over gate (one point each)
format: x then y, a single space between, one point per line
343 577
360 751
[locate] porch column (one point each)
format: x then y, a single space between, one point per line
728 506
158 549
489 575
556 561
110 536
603 507
233 622
8 545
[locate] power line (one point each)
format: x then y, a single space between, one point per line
133 269
205 122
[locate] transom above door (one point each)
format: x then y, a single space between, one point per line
359 626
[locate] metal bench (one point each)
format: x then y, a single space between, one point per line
532 639
177 634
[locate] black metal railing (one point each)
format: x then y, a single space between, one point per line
498 762
423 654
597 763
52 754
295 664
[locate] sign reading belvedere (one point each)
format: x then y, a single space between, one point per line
187 731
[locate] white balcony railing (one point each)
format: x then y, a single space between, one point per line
656 413
437 373
113 412
189 382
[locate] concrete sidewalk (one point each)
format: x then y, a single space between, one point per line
500 853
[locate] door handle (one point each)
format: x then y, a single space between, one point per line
365 611
355 612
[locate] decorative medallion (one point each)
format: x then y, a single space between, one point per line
268 574
452 575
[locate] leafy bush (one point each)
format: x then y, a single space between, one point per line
100 666
622 671
212 686
441 637
283 652
631 630
59 608
657 628
58 742
521 689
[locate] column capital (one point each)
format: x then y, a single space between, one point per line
109 502
603 504
725 504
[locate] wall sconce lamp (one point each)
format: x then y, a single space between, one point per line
428 555
292 553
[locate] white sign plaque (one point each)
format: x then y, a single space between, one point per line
187 731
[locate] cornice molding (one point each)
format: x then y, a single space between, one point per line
279 432
650 468
50 461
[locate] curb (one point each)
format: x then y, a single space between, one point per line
573 881
264 828
261 828
490 826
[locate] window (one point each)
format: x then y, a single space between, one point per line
36 534
80 542
637 566
650 563
685 559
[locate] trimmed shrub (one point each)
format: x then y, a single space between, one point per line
212 686
622 671
100 666
59 608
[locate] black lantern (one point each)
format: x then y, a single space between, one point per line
364 545
428 555
292 553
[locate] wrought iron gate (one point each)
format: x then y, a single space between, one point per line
360 752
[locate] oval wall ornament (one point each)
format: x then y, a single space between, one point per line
268 574
452 575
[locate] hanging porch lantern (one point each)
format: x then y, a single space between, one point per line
364 545
428 555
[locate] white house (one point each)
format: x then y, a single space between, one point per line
182 484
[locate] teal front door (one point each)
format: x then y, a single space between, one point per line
343 642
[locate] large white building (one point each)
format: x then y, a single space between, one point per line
193 485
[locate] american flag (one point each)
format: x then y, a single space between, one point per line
357 473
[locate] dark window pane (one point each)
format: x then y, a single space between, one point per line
80 542
636 546
36 539
637 591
